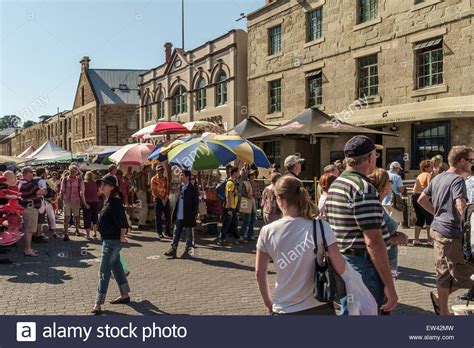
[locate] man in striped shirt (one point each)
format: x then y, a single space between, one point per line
355 214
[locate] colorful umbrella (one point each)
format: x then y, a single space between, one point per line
245 150
203 126
133 154
201 154
170 128
159 154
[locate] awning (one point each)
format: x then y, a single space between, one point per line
314 122
427 43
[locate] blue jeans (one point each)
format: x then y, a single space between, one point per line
177 235
370 276
393 259
110 263
247 226
229 225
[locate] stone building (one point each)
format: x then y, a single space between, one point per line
399 66
205 83
105 112
105 108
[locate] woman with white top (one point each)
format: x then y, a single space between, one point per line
289 242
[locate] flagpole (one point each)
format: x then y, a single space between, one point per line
182 24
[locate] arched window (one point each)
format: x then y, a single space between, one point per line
161 105
201 94
148 109
221 88
179 100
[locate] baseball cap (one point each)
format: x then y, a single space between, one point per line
291 160
358 146
394 165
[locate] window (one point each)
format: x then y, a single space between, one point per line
221 88
83 127
429 63
90 122
148 109
419 1
68 124
272 150
201 94
430 139
179 100
82 96
76 124
161 105
315 24
315 88
368 10
69 144
275 96
274 40
368 76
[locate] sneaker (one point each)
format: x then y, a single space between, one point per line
186 254
66 237
171 252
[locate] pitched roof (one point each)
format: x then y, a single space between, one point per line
123 82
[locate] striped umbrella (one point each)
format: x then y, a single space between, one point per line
245 150
201 154
159 154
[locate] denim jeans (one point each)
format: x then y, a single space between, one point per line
393 259
370 276
161 209
110 263
229 225
247 226
177 235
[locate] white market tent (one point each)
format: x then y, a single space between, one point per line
50 151
28 151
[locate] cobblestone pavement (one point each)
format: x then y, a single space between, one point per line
218 280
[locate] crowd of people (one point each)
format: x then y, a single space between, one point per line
360 208
363 206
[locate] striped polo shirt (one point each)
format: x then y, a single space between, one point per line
353 206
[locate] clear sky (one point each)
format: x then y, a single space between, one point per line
42 41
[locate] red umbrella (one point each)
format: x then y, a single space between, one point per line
169 127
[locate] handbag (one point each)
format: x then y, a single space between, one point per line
328 285
397 201
246 204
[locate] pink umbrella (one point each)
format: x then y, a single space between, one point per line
133 154
170 128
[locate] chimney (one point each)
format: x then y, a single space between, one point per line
168 47
85 64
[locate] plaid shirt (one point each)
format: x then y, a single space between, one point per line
159 187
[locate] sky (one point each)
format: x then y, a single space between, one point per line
42 42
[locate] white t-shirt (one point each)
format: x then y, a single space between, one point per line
289 241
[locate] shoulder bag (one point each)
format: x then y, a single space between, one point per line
328 285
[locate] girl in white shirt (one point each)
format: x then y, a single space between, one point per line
289 242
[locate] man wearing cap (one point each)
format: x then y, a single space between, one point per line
160 193
356 217
397 189
294 165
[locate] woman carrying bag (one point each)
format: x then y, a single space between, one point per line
290 243
112 226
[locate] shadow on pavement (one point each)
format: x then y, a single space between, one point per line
423 278
404 309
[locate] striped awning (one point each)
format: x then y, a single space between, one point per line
427 43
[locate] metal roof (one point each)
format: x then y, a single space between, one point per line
123 82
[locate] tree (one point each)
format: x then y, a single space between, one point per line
9 121
28 123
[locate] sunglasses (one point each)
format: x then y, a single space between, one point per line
470 160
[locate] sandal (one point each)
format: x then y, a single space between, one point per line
96 310
30 254
433 301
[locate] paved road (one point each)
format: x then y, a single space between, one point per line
219 280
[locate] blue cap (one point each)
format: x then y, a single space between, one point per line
358 146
